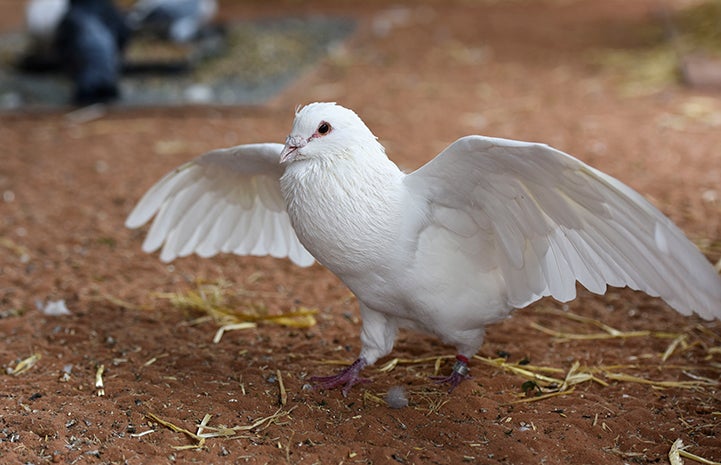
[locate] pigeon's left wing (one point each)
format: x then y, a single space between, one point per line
227 200
546 220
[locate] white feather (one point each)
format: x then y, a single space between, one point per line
227 200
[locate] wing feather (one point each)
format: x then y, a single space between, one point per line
226 200
547 221
155 196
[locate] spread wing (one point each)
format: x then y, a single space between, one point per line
545 220
227 200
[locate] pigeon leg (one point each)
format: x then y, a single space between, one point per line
347 378
457 376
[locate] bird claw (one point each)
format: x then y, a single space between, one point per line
347 378
457 376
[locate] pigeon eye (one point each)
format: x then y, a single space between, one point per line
324 128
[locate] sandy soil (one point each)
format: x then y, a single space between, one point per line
421 74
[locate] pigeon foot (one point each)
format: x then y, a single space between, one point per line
347 378
457 376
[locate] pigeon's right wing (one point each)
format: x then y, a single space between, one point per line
227 200
545 220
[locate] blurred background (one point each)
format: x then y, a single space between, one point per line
98 100
174 52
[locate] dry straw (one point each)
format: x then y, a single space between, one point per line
24 365
553 381
235 310
204 431
678 450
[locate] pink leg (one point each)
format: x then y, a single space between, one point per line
347 378
457 376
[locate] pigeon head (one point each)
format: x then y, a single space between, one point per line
326 131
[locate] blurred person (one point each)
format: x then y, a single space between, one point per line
89 42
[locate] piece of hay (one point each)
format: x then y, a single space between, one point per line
672 347
609 332
204 431
696 384
144 433
152 360
117 301
229 431
391 364
542 396
674 455
588 337
283 395
232 327
697 458
200 440
24 365
538 374
575 375
99 385
678 450
370 397
581 319
226 308
436 405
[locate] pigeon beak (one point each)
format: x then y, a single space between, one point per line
290 151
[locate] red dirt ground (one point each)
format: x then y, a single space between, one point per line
519 69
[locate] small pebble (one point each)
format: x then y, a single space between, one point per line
53 308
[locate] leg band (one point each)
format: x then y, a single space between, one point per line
462 358
461 365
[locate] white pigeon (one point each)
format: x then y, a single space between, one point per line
487 226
